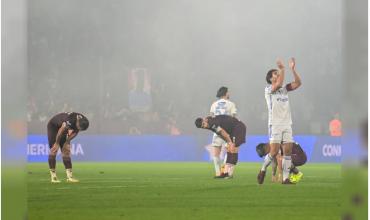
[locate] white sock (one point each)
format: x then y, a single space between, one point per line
217 164
231 169
53 173
267 162
69 173
223 154
209 149
287 163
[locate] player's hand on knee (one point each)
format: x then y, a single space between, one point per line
55 148
66 149
231 147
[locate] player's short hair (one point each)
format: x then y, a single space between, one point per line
83 123
198 122
221 92
260 149
269 75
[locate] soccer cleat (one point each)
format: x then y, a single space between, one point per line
219 177
227 177
295 178
287 182
261 176
72 180
55 180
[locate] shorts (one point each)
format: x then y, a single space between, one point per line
217 141
280 134
52 134
238 134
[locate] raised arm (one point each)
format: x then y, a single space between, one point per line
297 79
280 79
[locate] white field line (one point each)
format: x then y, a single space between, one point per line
125 179
95 187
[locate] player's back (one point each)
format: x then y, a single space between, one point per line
225 121
68 117
223 107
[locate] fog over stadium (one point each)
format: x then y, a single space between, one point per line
142 71
142 67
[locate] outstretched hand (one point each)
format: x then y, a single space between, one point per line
292 63
280 63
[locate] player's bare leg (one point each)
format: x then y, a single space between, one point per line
274 149
216 160
52 163
66 155
231 161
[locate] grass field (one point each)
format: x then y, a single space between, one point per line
180 191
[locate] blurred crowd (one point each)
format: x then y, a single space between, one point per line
137 102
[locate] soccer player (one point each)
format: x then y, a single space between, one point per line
223 106
232 131
62 128
298 159
280 121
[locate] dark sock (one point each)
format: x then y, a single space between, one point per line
52 162
67 162
294 170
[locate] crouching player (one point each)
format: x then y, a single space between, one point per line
62 128
232 131
298 159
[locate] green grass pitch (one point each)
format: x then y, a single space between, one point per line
180 191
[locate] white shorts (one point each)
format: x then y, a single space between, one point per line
280 134
217 141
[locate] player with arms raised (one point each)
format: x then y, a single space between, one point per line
280 121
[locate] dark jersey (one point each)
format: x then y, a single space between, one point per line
235 128
299 157
224 121
70 118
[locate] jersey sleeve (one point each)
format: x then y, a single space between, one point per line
214 126
268 90
233 109
288 87
213 109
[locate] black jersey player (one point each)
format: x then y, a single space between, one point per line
62 128
232 130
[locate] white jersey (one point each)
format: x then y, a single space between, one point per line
223 107
278 106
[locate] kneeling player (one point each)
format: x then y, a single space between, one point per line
62 128
298 159
232 131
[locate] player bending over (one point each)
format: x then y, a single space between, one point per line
232 131
298 159
62 128
223 106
